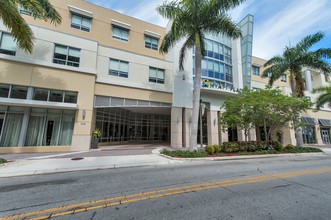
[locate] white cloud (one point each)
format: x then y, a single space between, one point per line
290 24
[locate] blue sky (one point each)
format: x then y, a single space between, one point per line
276 22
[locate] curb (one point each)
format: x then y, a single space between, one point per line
243 157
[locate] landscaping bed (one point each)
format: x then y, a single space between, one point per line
2 160
241 148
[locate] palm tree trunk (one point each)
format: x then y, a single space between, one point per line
196 99
298 130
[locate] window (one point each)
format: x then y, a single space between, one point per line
156 75
80 22
24 11
120 34
118 68
56 96
283 78
70 97
4 91
18 92
66 56
227 54
40 94
7 44
151 43
256 70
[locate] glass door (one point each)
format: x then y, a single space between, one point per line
325 136
52 131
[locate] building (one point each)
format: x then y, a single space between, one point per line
102 69
98 68
316 124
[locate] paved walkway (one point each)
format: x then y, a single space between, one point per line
104 158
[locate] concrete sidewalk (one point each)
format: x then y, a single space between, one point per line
95 159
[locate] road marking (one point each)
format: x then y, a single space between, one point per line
131 198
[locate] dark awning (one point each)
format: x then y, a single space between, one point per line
308 121
325 122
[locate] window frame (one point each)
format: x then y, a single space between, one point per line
120 38
66 61
255 68
283 78
151 46
119 73
157 79
6 51
80 27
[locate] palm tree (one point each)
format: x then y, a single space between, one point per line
324 98
10 16
191 19
293 60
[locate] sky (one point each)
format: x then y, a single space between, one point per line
277 23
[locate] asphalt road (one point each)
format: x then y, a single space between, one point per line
274 188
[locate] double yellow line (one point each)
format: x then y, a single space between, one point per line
115 201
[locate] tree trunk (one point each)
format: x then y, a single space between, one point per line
246 134
196 99
298 130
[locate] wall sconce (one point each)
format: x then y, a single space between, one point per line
215 122
83 114
177 119
183 76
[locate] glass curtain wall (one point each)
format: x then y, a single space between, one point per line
46 127
121 125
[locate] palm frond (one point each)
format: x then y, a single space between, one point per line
169 10
16 24
275 60
189 43
223 25
309 41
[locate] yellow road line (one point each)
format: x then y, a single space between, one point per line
76 208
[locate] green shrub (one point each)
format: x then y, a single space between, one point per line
289 147
188 154
217 148
210 149
2 160
277 146
294 149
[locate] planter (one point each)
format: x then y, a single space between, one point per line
95 143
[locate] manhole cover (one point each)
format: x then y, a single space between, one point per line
77 158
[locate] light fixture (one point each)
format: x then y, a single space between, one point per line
183 76
83 114
177 119
214 121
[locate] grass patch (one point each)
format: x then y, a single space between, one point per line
3 161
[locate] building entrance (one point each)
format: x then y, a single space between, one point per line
119 125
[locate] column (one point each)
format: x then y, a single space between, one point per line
187 125
309 85
212 127
252 135
176 127
289 136
318 135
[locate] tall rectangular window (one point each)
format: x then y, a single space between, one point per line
256 70
151 43
65 55
118 68
7 44
120 34
227 55
156 75
283 78
80 22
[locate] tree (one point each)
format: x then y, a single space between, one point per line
20 30
267 107
191 19
293 60
324 98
